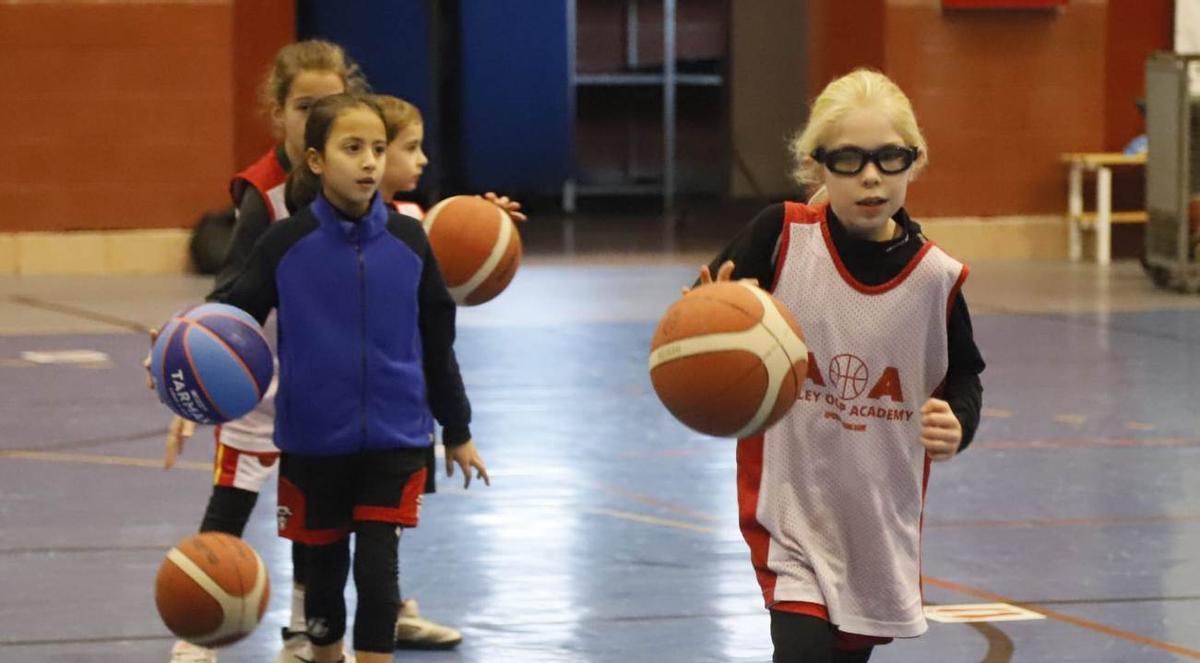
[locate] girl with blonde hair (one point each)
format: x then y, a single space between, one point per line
831 497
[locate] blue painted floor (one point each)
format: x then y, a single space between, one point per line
609 532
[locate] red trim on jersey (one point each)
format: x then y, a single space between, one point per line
793 212
227 458
921 524
264 175
749 479
291 501
962 276
870 289
802 608
407 513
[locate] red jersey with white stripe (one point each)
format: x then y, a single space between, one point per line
831 497
268 177
254 432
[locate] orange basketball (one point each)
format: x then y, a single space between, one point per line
212 589
476 245
728 359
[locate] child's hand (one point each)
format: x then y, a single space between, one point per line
178 433
467 457
146 361
941 434
724 273
511 206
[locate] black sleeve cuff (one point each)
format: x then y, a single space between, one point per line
456 434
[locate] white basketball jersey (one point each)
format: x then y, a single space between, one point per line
255 431
843 474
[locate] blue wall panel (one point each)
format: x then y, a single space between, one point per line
514 95
390 41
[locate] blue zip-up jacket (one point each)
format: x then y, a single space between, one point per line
366 332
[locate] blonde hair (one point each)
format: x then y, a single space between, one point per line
861 88
398 114
309 55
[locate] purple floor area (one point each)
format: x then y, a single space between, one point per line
610 532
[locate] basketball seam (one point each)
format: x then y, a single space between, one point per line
166 346
503 240
233 353
187 354
432 215
756 331
724 302
772 317
769 362
785 328
240 624
192 570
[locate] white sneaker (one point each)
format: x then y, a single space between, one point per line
296 648
346 658
186 652
415 632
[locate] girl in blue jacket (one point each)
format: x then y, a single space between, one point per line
366 363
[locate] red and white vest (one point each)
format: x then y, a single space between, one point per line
831 497
268 177
254 432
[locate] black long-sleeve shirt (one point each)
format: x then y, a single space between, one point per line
753 252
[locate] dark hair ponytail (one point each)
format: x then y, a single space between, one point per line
301 189
303 185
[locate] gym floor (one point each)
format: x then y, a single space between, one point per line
610 532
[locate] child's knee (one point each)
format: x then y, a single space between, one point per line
375 580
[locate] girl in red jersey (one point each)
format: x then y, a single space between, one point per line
831 497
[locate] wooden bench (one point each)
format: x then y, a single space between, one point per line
1103 217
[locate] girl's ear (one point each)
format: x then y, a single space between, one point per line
277 118
315 162
813 166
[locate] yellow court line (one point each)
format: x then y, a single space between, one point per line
653 520
97 459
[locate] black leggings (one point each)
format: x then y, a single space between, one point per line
805 639
375 569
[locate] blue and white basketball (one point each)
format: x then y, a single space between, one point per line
211 363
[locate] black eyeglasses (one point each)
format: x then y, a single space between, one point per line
889 159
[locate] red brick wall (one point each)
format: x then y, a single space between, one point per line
843 36
123 115
999 94
1135 30
260 28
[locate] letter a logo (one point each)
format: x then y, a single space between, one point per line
888 385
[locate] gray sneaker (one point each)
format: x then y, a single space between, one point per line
415 632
